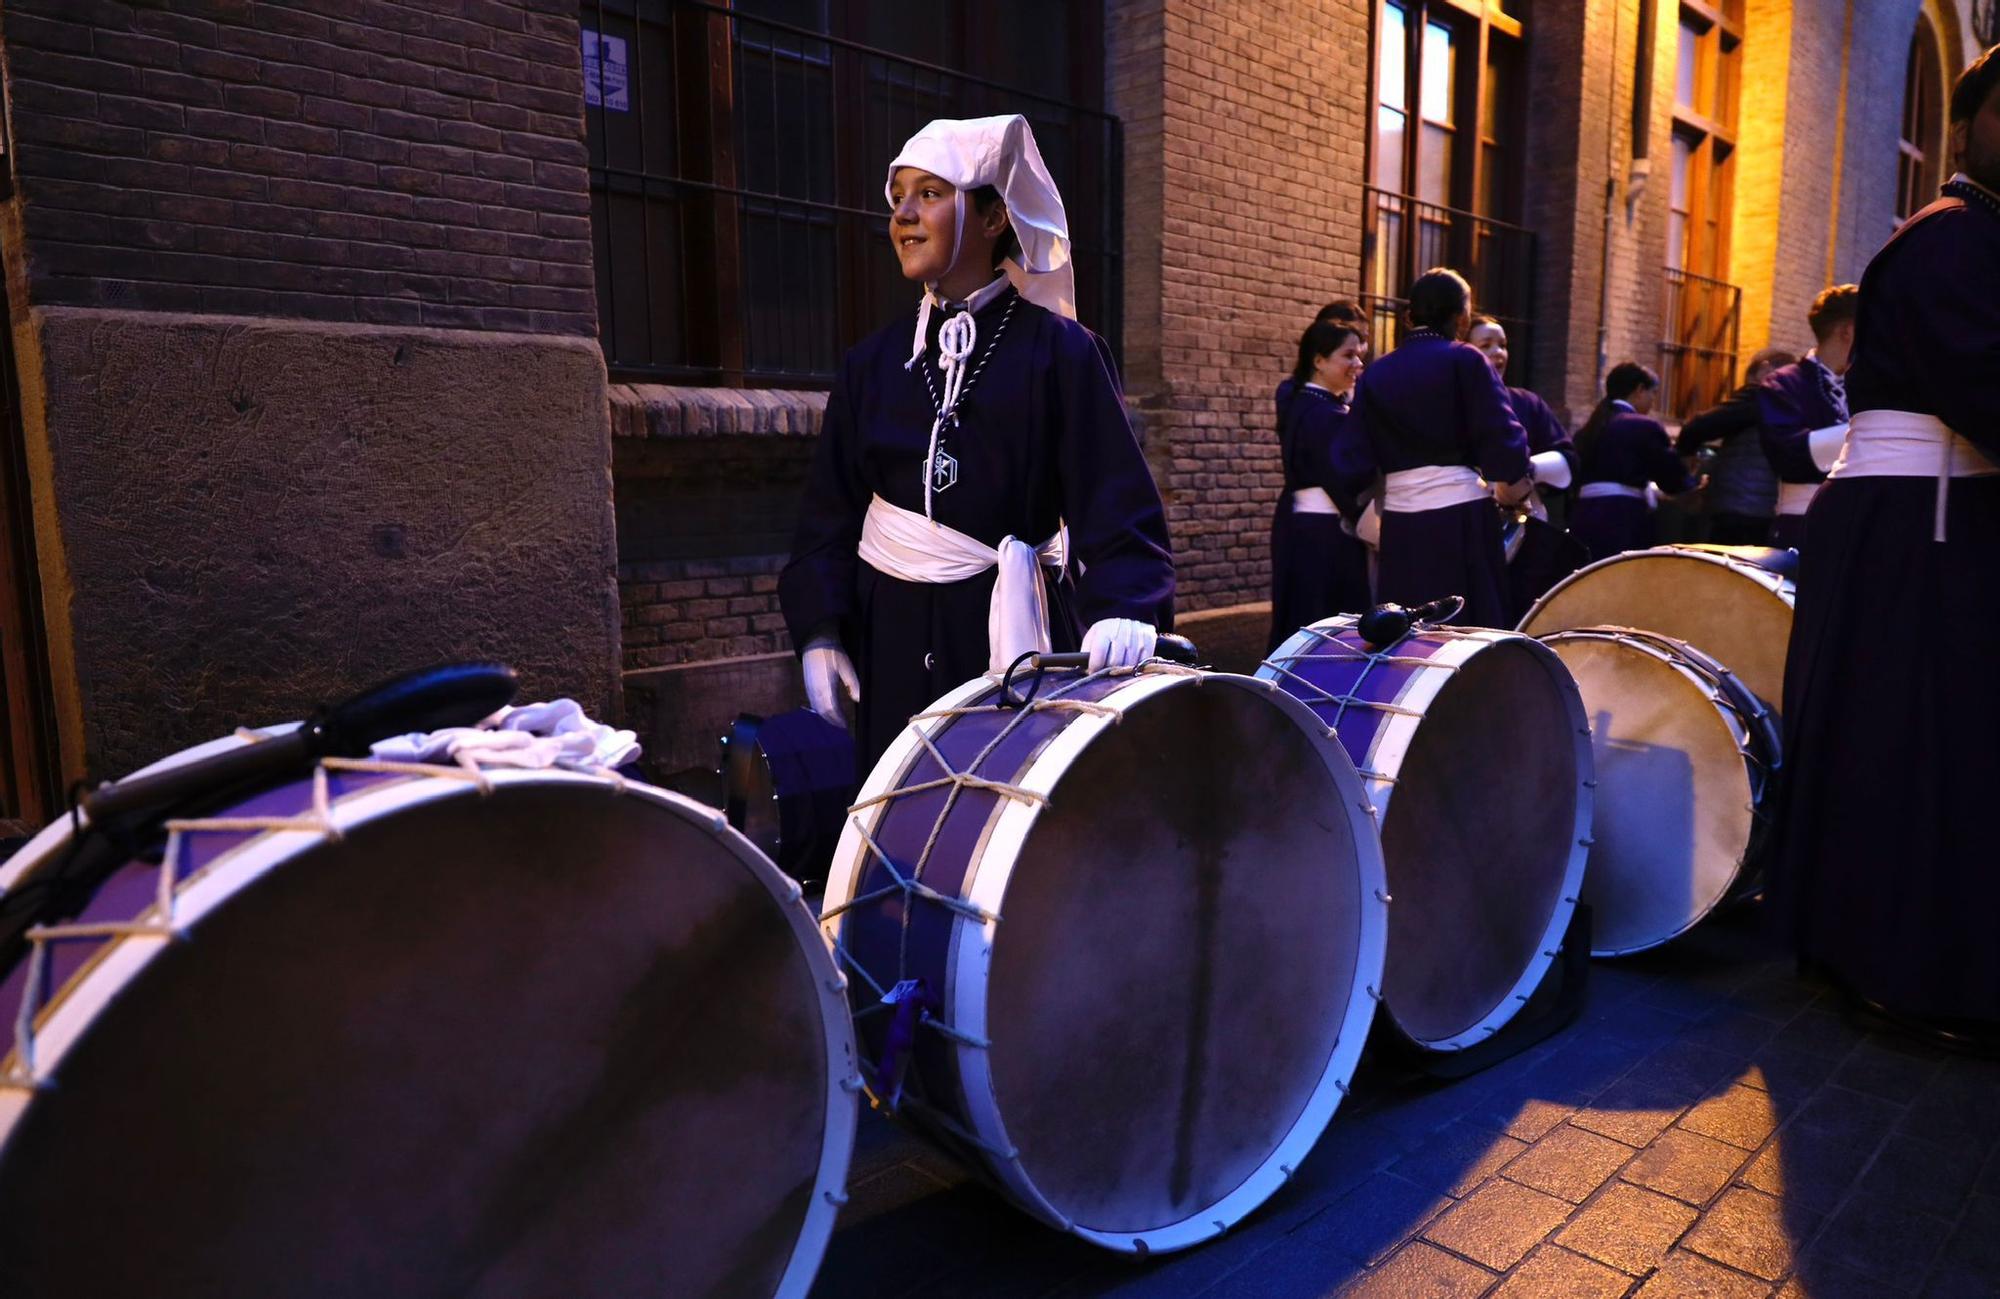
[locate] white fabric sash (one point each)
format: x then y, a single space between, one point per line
1906 444
1596 491
1794 498
903 544
1313 500
1431 487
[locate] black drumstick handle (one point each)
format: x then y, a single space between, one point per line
453 694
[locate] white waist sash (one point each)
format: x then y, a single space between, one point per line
1313 500
1597 491
905 545
1793 498
1906 444
1431 487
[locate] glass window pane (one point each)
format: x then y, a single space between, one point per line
1436 85
1434 165
1678 182
1676 240
1389 127
1690 50
1393 56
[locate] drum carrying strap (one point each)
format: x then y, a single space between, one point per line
905 545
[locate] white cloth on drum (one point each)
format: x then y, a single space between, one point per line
1431 487
1549 469
1909 444
557 733
1313 500
1597 491
905 545
1795 498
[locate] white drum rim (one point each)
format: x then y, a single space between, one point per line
1777 584
970 956
1392 741
74 1008
1647 643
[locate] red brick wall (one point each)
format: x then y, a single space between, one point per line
326 159
694 610
1245 139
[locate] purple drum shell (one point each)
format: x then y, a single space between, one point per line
1170 984
547 1039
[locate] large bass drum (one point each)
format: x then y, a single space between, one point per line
406 1031
1116 947
1733 603
1476 754
1685 758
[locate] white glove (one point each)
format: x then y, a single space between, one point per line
827 671
1653 495
1119 643
1549 469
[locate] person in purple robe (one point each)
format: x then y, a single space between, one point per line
1885 865
1318 567
1624 456
1434 423
1802 411
1742 494
977 491
1341 311
1542 553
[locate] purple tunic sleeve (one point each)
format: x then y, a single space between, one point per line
1499 443
1788 409
1733 416
1545 432
1662 466
817 585
1117 525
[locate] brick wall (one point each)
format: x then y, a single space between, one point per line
1245 139
341 160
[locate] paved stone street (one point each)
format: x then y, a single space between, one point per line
1709 1127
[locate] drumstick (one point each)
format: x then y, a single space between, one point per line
453 694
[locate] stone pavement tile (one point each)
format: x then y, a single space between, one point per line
1752 1232
1974 1245
1689 1276
1686 1165
1780 996
1787 1073
1854 1115
1636 1025
1949 1281
1741 1116
1628 1227
1731 1030
1349 1152
1523 1117
1820 1031
1893 1070
1373 1219
1290 1269
1817 1278
1810 1167
1421 1271
1569 1163
1498 1223
1554 1273
1418 1114
1959 1105
1635 1110
1582 1069
1691 1067
1923 1175
1457 1158
1613 983
1882 1239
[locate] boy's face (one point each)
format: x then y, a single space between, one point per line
923 221
1977 142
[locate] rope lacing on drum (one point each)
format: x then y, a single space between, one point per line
159 921
1318 697
891 1092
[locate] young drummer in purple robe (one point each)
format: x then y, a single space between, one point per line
1435 422
1318 567
1622 452
977 491
1885 862
1544 555
1742 492
1802 409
